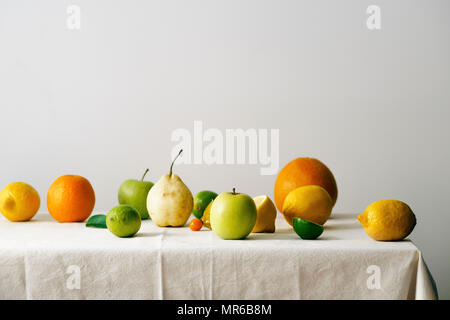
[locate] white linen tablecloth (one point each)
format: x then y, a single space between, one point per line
44 259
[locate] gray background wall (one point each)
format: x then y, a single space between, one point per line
103 101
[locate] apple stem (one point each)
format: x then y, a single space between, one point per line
143 176
170 173
234 190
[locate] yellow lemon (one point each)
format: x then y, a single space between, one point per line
265 214
19 201
206 216
312 203
388 220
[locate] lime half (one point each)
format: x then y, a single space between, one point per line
306 229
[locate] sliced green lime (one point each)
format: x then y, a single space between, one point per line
306 229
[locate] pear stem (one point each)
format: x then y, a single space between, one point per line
234 190
170 173
143 176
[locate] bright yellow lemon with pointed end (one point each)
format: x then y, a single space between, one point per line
19 201
388 220
312 203
265 215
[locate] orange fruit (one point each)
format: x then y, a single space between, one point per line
70 198
195 224
303 172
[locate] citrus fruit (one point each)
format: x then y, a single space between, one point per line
306 229
70 198
195 224
19 201
388 220
265 214
206 216
302 172
201 201
123 221
311 203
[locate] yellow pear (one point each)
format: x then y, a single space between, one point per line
266 214
169 201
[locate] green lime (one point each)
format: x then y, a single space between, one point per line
123 221
201 201
306 229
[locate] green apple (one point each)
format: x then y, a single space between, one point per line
233 215
134 193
